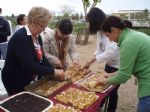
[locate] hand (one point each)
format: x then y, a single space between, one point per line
86 71
57 63
102 80
76 63
60 74
107 75
87 65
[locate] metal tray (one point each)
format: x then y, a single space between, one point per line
48 87
69 104
100 88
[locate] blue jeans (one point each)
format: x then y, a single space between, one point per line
3 50
144 104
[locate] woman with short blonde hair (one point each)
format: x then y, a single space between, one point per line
25 60
39 15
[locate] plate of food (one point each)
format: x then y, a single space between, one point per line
62 108
75 74
77 98
90 83
48 88
45 87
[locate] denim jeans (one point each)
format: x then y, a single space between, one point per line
3 50
144 104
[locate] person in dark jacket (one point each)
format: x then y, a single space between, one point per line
4 33
25 59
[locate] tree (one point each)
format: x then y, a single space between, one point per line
81 16
86 4
66 10
146 13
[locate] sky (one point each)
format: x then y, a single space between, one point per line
108 6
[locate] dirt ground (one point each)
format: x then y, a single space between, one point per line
127 101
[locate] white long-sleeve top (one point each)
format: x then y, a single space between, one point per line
107 51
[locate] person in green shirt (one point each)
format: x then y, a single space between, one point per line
134 48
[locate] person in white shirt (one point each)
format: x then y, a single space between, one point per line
21 21
107 51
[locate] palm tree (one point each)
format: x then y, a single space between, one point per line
86 4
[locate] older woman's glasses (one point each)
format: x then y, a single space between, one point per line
42 26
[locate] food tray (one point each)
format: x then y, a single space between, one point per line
26 102
62 108
90 84
88 107
74 74
78 81
45 87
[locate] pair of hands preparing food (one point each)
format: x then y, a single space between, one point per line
58 64
102 80
60 73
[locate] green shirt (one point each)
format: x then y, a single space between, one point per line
134 59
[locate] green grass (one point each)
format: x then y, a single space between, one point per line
78 26
52 25
147 31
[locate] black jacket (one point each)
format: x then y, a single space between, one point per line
4 30
22 63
